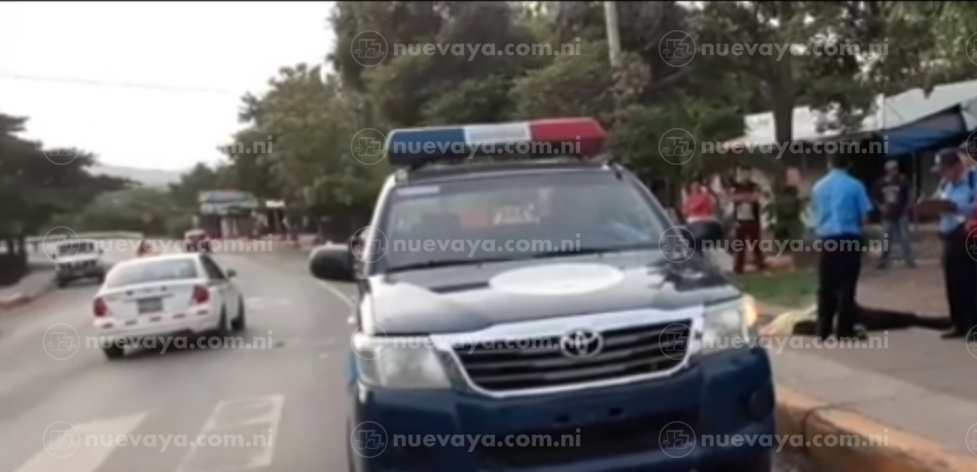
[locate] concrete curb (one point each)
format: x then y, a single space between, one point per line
902 452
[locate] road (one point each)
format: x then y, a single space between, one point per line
285 392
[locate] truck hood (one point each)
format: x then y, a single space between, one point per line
77 258
474 297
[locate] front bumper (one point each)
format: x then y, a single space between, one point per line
65 272
676 423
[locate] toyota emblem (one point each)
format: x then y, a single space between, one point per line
581 343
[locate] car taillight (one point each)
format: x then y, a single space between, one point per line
100 308
200 295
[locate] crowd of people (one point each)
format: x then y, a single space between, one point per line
703 212
841 205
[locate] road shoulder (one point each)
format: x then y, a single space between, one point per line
900 452
922 430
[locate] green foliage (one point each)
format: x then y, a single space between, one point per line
471 101
144 210
34 189
313 117
185 193
568 86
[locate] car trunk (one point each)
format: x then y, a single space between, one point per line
130 302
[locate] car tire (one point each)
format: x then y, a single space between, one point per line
239 323
222 324
114 352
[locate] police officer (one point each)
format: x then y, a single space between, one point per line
958 189
841 205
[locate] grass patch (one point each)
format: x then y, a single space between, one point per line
786 289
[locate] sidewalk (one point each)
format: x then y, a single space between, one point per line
907 380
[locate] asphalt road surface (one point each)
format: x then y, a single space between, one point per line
279 398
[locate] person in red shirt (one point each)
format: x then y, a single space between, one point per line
699 210
746 200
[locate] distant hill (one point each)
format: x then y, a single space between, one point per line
147 177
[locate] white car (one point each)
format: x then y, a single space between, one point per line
163 296
78 259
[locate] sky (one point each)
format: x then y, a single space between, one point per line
188 65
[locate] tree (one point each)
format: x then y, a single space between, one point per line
314 117
140 209
186 192
37 184
842 56
313 120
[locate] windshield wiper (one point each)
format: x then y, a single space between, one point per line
443 263
569 252
591 250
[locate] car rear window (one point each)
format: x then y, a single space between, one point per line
154 271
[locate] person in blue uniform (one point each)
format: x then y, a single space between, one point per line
958 191
841 205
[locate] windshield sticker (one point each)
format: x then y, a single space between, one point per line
475 218
419 190
514 215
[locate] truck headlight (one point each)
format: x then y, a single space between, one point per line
729 325
404 363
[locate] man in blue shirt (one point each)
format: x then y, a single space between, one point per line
958 188
841 204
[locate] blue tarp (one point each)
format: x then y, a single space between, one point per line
925 134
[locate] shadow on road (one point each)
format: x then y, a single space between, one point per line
877 319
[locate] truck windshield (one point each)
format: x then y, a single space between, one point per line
76 248
515 217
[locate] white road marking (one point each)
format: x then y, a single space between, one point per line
338 293
260 303
76 448
247 417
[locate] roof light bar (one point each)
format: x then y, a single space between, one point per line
551 137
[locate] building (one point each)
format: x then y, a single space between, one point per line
227 213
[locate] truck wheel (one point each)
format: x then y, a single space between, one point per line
114 352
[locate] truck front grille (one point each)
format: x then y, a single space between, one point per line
524 364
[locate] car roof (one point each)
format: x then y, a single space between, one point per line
484 170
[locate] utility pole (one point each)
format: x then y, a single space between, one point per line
613 34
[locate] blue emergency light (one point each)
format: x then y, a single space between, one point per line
559 136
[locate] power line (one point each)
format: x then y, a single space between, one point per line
103 83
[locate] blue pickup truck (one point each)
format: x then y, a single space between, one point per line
521 311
